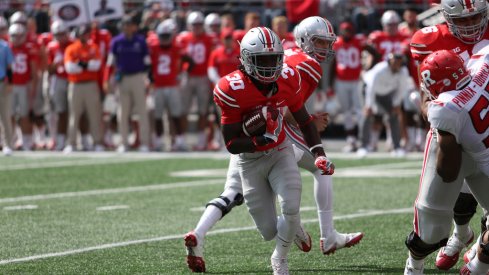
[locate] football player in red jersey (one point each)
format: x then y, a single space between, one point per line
464 33
345 79
166 57
280 26
198 45
58 88
389 40
24 81
217 208
263 81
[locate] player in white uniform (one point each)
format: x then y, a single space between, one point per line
459 150
331 240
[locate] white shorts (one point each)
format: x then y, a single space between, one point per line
58 92
199 87
20 100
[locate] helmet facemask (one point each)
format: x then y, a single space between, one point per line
264 67
468 33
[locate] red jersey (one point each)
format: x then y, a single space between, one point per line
224 60
239 34
236 95
309 69
21 67
386 44
348 58
199 49
102 38
56 53
165 65
433 38
152 38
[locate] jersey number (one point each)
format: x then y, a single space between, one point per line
235 82
164 65
348 57
479 114
390 47
20 64
197 52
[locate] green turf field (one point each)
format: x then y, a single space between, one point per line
108 214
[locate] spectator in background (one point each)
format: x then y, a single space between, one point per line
410 24
82 62
227 21
6 60
198 45
3 28
280 26
212 26
297 10
385 86
345 80
251 20
130 56
103 9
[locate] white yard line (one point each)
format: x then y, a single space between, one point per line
112 207
180 236
113 191
20 207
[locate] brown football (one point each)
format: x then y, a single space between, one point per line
255 122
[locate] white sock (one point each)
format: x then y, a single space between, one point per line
202 138
285 235
374 138
351 140
462 232
179 140
208 219
60 140
41 131
85 141
323 194
477 267
27 142
417 264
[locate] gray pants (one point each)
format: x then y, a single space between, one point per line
5 115
266 176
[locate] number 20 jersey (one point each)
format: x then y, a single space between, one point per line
236 95
465 114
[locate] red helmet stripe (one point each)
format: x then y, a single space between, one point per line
268 37
330 28
468 4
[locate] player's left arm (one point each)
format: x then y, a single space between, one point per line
449 156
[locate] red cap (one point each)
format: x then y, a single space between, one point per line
226 33
347 26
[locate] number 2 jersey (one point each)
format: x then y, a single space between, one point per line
236 95
465 113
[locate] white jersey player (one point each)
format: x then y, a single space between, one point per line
458 114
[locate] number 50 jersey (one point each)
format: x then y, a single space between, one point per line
465 114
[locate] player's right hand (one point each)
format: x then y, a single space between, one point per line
321 121
274 126
325 165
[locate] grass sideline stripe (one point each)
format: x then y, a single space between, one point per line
180 236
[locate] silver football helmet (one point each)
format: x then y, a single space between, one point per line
309 31
17 34
466 19
166 31
18 17
58 27
261 54
212 23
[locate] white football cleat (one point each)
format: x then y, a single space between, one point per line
195 252
7 151
303 239
448 255
338 240
409 270
280 266
471 252
121 149
362 152
68 149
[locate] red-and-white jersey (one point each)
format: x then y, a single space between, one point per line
216 40
465 114
199 49
224 60
386 44
21 67
236 95
309 69
438 37
165 65
349 57
56 55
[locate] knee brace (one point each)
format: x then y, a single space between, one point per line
225 204
420 249
465 208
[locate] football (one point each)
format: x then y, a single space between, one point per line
255 122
